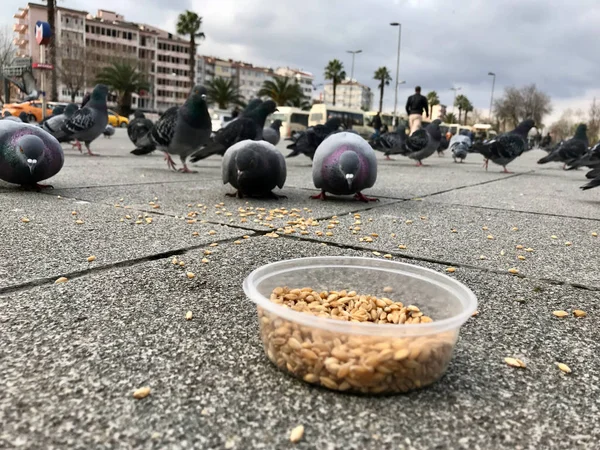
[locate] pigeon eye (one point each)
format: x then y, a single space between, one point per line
21 148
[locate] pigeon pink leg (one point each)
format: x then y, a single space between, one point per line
185 169
387 157
89 150
419 164
364 198
321 196
170 162
506 171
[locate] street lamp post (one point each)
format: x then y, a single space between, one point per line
353 52
399 25
454 101
492 74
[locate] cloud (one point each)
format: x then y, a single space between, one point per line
444 44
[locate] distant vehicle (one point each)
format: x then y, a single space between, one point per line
351 118
33 110
484 130
116 120
219 118
293 120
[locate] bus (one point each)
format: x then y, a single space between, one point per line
351 118
293 120
386 119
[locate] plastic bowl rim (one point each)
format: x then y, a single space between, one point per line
456 288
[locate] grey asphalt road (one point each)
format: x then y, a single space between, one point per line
72 354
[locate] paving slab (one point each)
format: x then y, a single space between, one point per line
455 235
51 243
73 354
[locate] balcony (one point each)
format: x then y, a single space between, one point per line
19 42
21 14
19 28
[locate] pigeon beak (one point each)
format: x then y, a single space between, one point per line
239 173
349 179
31 163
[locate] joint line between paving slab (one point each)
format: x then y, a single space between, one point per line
445 263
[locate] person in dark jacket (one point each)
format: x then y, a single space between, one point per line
376 123
415 106
235 113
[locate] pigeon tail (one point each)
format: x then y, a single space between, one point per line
592 184
143 150
213 148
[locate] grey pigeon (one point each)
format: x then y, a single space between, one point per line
90 121
590 159
506 147
183 130
54 124
344 164
444 144
8 116
137 129
459 146
570 150
271 133
309 139
254 168
594 176
108 131
391 143
249 125
423 143
28 154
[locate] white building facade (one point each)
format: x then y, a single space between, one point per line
349 94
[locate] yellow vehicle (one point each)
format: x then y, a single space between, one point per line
33 110
351 118
293 120
116 120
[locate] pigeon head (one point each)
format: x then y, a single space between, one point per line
199 91
100 92
70 109
7 113
246 159
349 165
276 125
524 127
581 132
269 107
334 123
437 122
30 149
138 114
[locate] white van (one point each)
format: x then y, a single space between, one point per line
219 118
351 118
293 120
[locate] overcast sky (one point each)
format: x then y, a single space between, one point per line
444 43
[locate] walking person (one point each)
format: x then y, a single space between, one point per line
376 124
415 106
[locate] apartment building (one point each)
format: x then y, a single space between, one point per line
98 40
252 78
349 94
305 79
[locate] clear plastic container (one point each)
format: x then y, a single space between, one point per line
360 356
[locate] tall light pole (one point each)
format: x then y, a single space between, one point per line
399 25
353 52
454 101
492 74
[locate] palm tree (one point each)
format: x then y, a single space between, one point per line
190 23
383 76
282 90
467 107
450 118
432 99
459 102
52 49
223 92
125 79
335 72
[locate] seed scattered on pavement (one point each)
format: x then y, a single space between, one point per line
174 261
402 247
521 257
594 234
214 244
207 252
377 253
388 256
137 222
79 221
513 270
554 237
579 313
297 433
515 229
502 252
246 237
205 261
519 247
91 258
142 392
237 242
190 275
453 230
568 244
529 250
482 257
490 237
475 313
388 289
451 269
73 213
329 233
560 313
514 362
181 263
61 280
188 315
128 216
24 220
408 222
212 232
484 228
563 367
195 233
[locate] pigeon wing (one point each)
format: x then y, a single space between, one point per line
164 129
82 120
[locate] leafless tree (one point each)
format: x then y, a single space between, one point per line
518 104
594 122
7 53
71 67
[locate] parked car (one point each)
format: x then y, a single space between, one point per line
116 120
33 110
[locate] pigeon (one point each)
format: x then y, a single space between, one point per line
344 164
249 125
54 124
570 150
424 142
108 131
444 144
182 130
391 143
459 146
271 134
90 121
254 168
60 109
594 176
506 147
139 127
546 142
8 116
28 154
23 117
309 139
590 159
